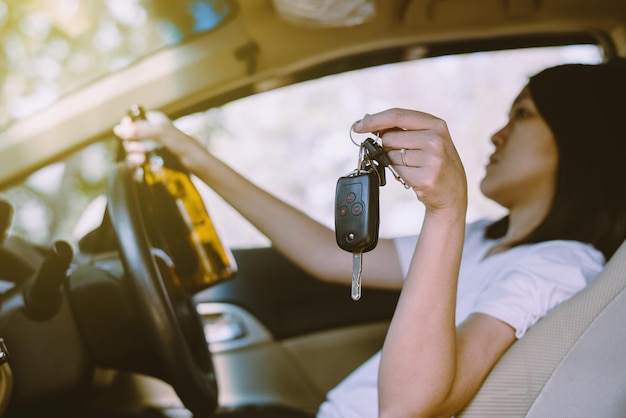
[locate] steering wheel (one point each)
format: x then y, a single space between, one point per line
166 308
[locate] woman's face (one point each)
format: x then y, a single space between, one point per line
522 170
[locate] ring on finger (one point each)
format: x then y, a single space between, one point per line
402 156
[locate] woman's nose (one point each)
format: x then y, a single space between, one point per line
498 137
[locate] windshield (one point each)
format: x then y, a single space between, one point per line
49 48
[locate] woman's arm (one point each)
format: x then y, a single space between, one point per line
306 242
428 367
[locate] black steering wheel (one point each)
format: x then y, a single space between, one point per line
166 308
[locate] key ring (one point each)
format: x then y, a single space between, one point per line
367 134
376 151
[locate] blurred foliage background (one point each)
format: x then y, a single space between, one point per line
51 47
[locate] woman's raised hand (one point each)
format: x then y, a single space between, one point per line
159 128
420 147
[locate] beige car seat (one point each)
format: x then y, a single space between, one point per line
572 363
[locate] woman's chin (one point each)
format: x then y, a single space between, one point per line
490 189
485 188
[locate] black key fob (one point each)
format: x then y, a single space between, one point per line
357 211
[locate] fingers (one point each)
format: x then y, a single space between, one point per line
125 129
408 129
137 130
404 157
414 148
157 117
398 118
407 157
420 148
142 129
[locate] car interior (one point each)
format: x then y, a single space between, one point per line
128 288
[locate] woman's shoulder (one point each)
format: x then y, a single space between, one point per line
559 262
563 251
558 250
529 280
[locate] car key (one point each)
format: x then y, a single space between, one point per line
378 153
357 218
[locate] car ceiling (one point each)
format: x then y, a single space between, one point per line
256 51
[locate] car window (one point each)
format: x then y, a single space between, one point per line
294 141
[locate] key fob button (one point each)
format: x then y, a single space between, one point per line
357 209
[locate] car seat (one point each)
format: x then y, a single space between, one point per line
571 363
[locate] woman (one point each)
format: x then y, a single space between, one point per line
468 291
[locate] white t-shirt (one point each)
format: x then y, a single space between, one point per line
518 286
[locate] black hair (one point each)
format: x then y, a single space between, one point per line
584 106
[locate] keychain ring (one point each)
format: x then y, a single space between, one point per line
358 144
352 130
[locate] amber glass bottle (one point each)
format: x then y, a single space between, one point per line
199 255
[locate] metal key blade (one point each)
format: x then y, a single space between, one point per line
357 265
